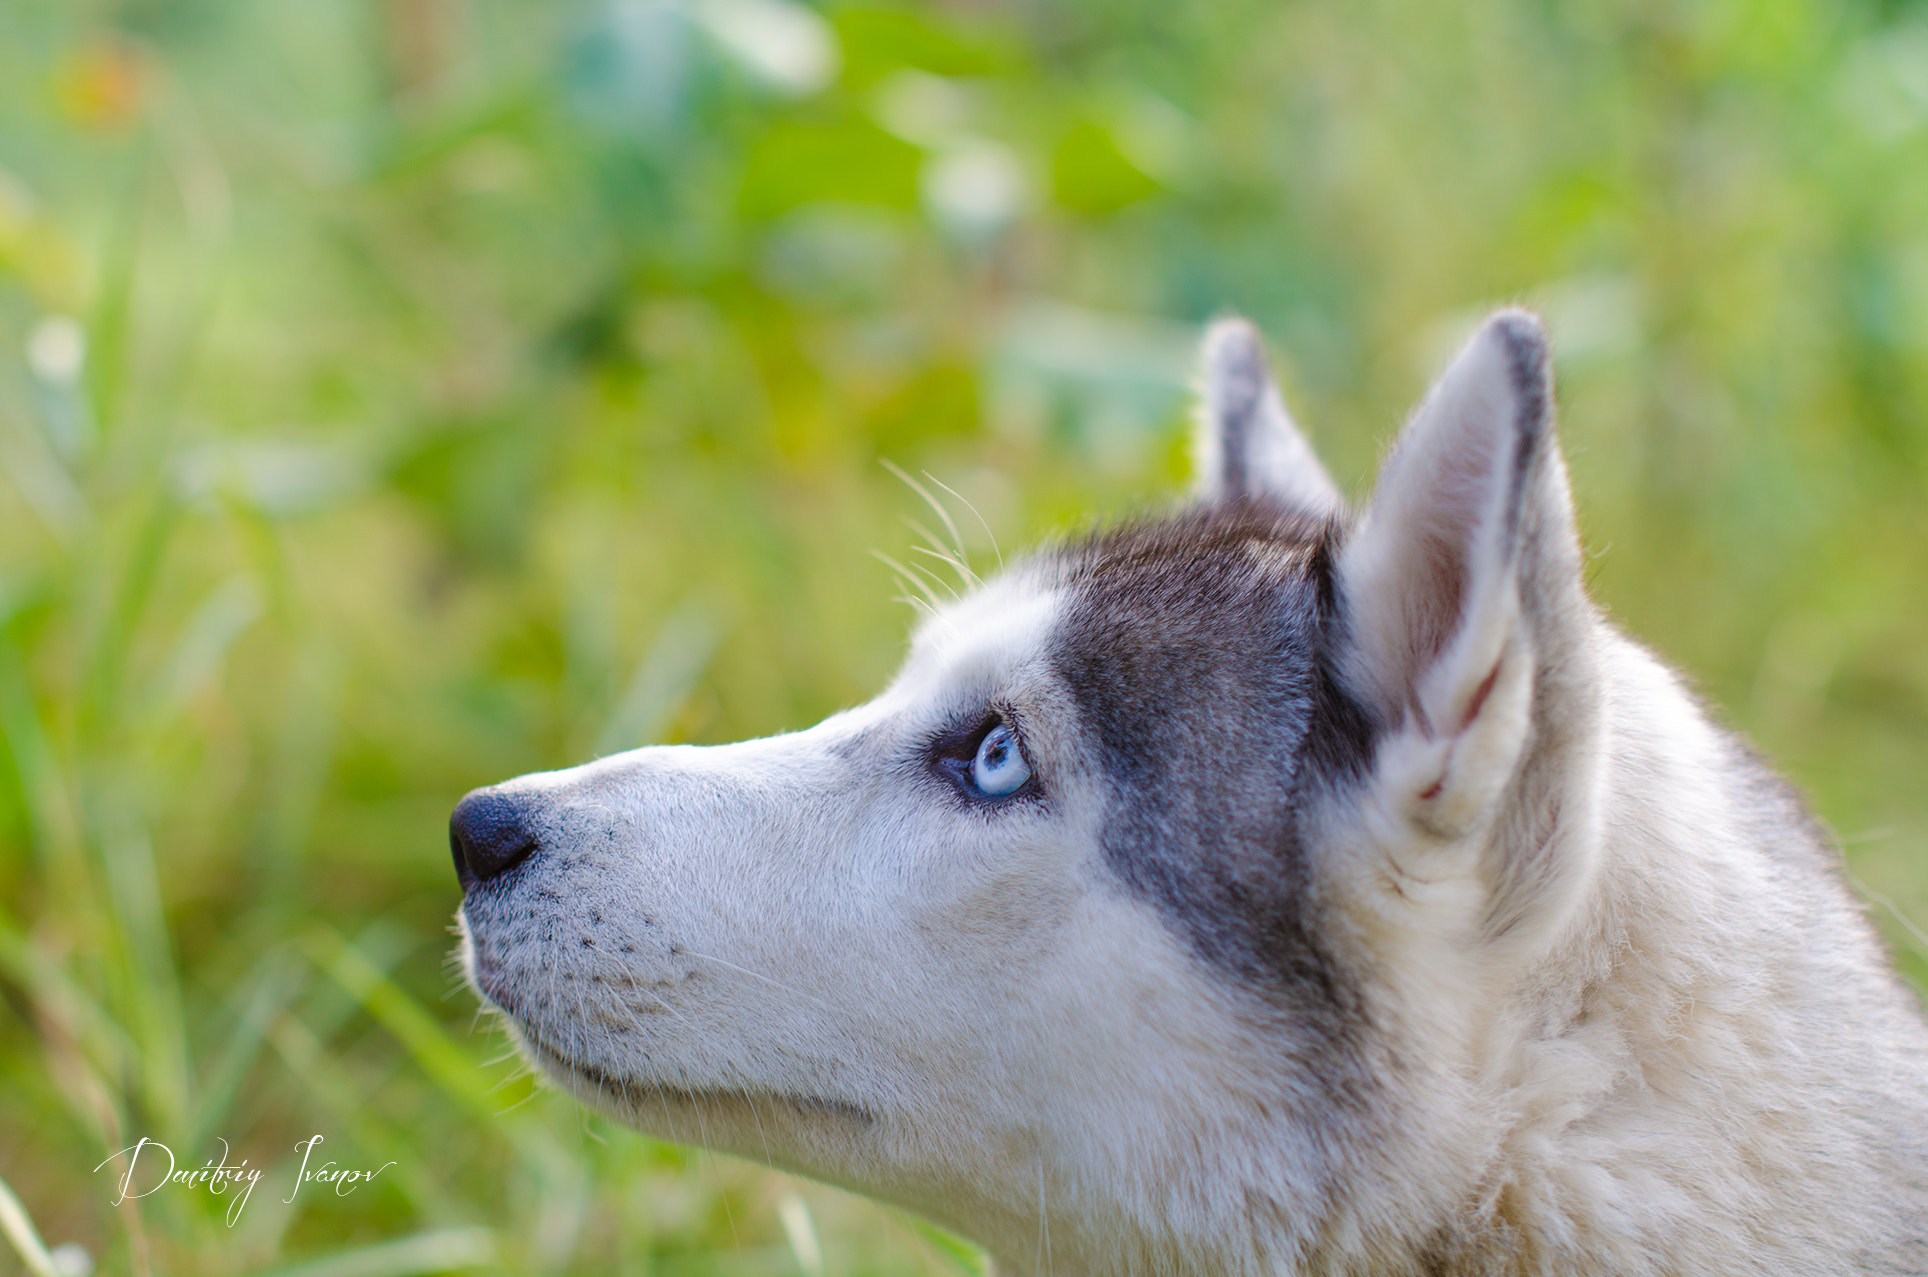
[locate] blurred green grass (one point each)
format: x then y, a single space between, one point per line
398 395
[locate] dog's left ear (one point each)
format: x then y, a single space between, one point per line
1464 623
1245 443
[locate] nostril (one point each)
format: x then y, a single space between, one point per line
489 834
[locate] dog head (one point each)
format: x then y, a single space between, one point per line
1153 907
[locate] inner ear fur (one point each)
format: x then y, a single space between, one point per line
1245 443
1466 625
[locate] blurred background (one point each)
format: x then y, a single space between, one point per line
398 395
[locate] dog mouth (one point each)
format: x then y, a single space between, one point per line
488 977
640 1096
650 1096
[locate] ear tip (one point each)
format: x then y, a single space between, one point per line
1521 335
1520 320
1236 374
1232 342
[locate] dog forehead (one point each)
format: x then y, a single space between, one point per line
990 633
1208 584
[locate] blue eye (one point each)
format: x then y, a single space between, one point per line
999 767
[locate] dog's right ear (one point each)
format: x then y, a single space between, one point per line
1245 443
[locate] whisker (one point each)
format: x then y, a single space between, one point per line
913 579
758 975
527 1099
964 574
1907 924
662 1002
974 514
958 561
934 579
950 525
915 602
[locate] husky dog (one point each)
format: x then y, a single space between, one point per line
1250 890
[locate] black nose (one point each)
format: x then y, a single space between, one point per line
489 834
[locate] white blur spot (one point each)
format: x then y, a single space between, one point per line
1884 82
56 349
921 108
975 190
787 45
71 1260
278 476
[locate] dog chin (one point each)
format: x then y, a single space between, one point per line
675 1111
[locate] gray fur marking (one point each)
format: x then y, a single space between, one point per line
1240 381
1530 365
1192 647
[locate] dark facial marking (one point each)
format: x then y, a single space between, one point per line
1196 649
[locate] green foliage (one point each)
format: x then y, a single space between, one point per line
397 395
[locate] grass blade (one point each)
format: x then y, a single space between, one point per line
18 1226
444 1250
